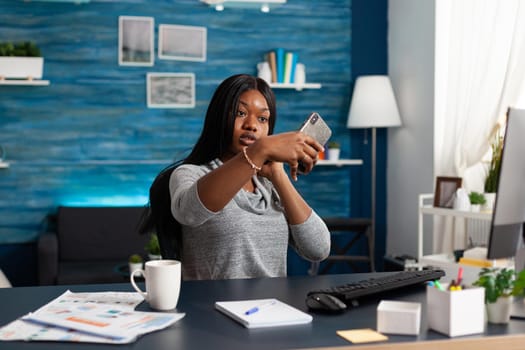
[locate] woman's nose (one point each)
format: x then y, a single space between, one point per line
250 122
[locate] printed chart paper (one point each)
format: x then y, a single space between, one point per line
105 317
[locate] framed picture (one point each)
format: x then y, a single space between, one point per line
135 41
446 188
171 90
183 43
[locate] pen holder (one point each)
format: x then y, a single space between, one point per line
456 313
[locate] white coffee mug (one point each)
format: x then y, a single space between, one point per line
162 283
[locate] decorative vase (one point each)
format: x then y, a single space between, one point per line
21 67
300 74
264 72
476 208
491 198
333 153
135 266
462 202
499 312
154 257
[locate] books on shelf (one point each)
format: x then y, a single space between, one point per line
271 58
283 65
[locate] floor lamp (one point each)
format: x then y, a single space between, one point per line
373 106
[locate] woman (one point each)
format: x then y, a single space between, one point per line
234 209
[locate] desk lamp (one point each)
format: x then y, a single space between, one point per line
373 106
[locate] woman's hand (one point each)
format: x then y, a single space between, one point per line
291 148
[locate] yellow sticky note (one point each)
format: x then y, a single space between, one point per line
364 335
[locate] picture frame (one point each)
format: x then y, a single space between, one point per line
446 187
136 41
170 90
183 43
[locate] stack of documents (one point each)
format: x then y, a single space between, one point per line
105 317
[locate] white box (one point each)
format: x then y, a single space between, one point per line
456 313
398 317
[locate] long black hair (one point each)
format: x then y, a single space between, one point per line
214 141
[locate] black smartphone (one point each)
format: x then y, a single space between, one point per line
317 128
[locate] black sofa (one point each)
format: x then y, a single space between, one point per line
89 245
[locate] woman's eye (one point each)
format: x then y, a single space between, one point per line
241 113
263 119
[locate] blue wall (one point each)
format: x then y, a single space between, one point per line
89 138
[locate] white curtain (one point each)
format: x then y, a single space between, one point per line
480 71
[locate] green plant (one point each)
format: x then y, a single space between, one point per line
491 181
20 49
334 144
135 259
500 283
153 247
477 198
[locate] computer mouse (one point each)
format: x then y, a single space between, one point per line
325 303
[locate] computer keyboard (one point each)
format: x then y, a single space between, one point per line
349 293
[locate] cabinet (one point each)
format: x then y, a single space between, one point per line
446 261
429 209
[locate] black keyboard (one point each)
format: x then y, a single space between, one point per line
349 293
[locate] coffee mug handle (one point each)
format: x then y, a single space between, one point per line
132 280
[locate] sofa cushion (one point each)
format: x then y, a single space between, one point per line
89 272
99 233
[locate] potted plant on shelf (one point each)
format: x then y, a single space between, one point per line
477 199
491 181
135 262
20 61
500 284
334 150
153 247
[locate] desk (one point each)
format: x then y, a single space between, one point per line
205 328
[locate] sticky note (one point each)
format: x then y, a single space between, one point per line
365 335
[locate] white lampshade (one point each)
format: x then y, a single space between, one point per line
373 103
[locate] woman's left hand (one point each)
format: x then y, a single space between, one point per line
272 171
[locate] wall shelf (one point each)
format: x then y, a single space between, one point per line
24 82
297 87
340 162
262 5
73 1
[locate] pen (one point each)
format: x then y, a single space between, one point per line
438 285
460 276
259 307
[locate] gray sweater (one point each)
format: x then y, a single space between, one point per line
248 238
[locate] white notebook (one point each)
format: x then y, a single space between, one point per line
259 313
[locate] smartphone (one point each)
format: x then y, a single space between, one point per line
317 128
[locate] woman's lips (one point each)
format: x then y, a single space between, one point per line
247 139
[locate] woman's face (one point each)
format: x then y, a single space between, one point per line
251 120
